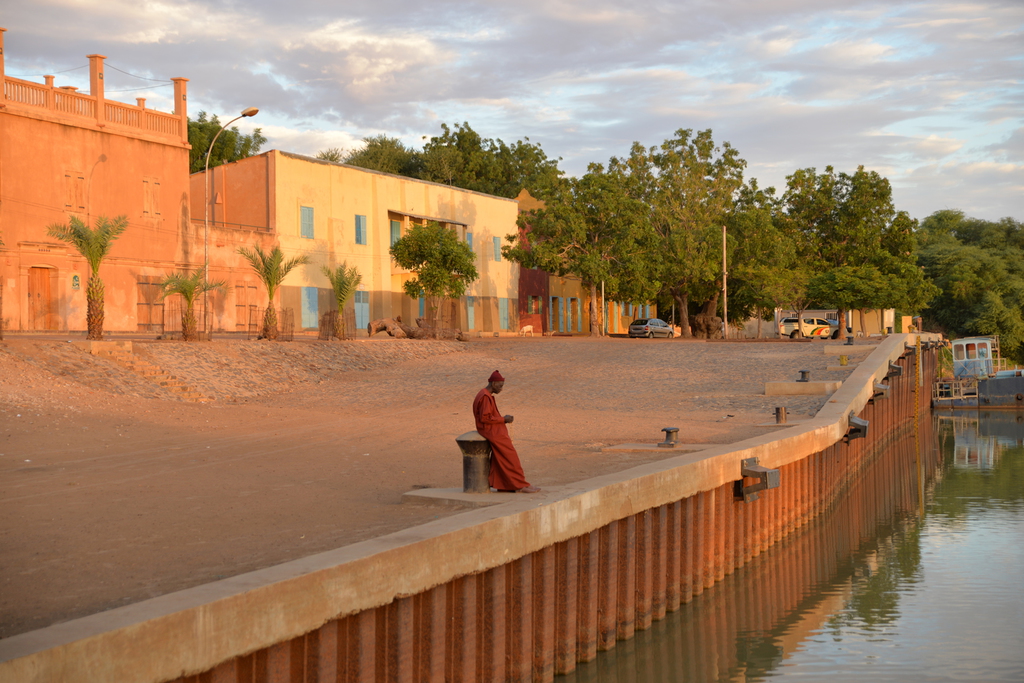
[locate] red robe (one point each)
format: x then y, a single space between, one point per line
506 470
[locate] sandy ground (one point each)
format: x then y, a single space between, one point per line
112 492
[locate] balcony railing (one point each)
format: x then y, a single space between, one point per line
72 103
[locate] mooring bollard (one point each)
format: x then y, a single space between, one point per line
476 462
849 341
671 433
844 360
780 415
805 376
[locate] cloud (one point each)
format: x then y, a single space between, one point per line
929 91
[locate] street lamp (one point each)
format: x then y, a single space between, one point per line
251 111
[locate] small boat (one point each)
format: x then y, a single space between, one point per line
980 377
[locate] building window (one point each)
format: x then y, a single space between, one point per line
150 197
362 300
310 308
306 222
469 240
497 248
360 229
471 312
396 231
74 191
503 311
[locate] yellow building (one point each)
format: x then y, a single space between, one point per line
336 213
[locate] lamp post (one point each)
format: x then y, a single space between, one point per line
251 111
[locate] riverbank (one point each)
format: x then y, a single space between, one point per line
113 493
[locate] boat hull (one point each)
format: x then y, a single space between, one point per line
992 392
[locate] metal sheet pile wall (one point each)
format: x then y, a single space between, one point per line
543 613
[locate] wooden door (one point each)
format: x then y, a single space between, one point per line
150 304
41 306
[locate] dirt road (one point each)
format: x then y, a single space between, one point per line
111 493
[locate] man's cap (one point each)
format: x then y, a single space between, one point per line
495 377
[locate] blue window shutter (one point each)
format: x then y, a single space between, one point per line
360 229
423 307
396 232
561 314
497 248
469 240
310 310
306 222
579 315
551 302
503 312
471 312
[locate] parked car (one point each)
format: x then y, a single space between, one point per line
821 328
650 327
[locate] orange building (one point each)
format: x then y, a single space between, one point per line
64 153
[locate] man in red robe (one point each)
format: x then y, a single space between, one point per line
506 471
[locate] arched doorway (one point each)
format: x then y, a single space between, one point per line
42 307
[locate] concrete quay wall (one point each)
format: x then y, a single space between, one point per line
515 592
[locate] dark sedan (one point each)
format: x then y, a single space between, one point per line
650 327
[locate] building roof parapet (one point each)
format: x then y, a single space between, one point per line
69 106
303 157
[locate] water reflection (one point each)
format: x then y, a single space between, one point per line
882 588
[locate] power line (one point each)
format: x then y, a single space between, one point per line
144 78
84 66
148 87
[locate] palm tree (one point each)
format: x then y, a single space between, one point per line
189 286
271 268
94 245
344 281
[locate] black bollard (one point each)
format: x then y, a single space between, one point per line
671 434
476 462
805 376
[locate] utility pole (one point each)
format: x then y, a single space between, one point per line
725 292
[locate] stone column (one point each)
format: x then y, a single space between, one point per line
181 105
96 87
2 76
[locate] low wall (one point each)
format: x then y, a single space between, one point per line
515 592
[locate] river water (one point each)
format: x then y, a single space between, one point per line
918 575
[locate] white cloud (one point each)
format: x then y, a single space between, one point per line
932 89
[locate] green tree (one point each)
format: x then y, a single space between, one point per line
388 155
462 158
271 268
443 265
847 222
978 267
334 154
765 272
344 280
696 183
594 228
94 245
189 286
230 146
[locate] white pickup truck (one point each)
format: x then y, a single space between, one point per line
821 328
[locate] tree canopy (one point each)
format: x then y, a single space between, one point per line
460 157
860 248
232 145
443 266
594 229
978 267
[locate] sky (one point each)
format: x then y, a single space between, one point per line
928 94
